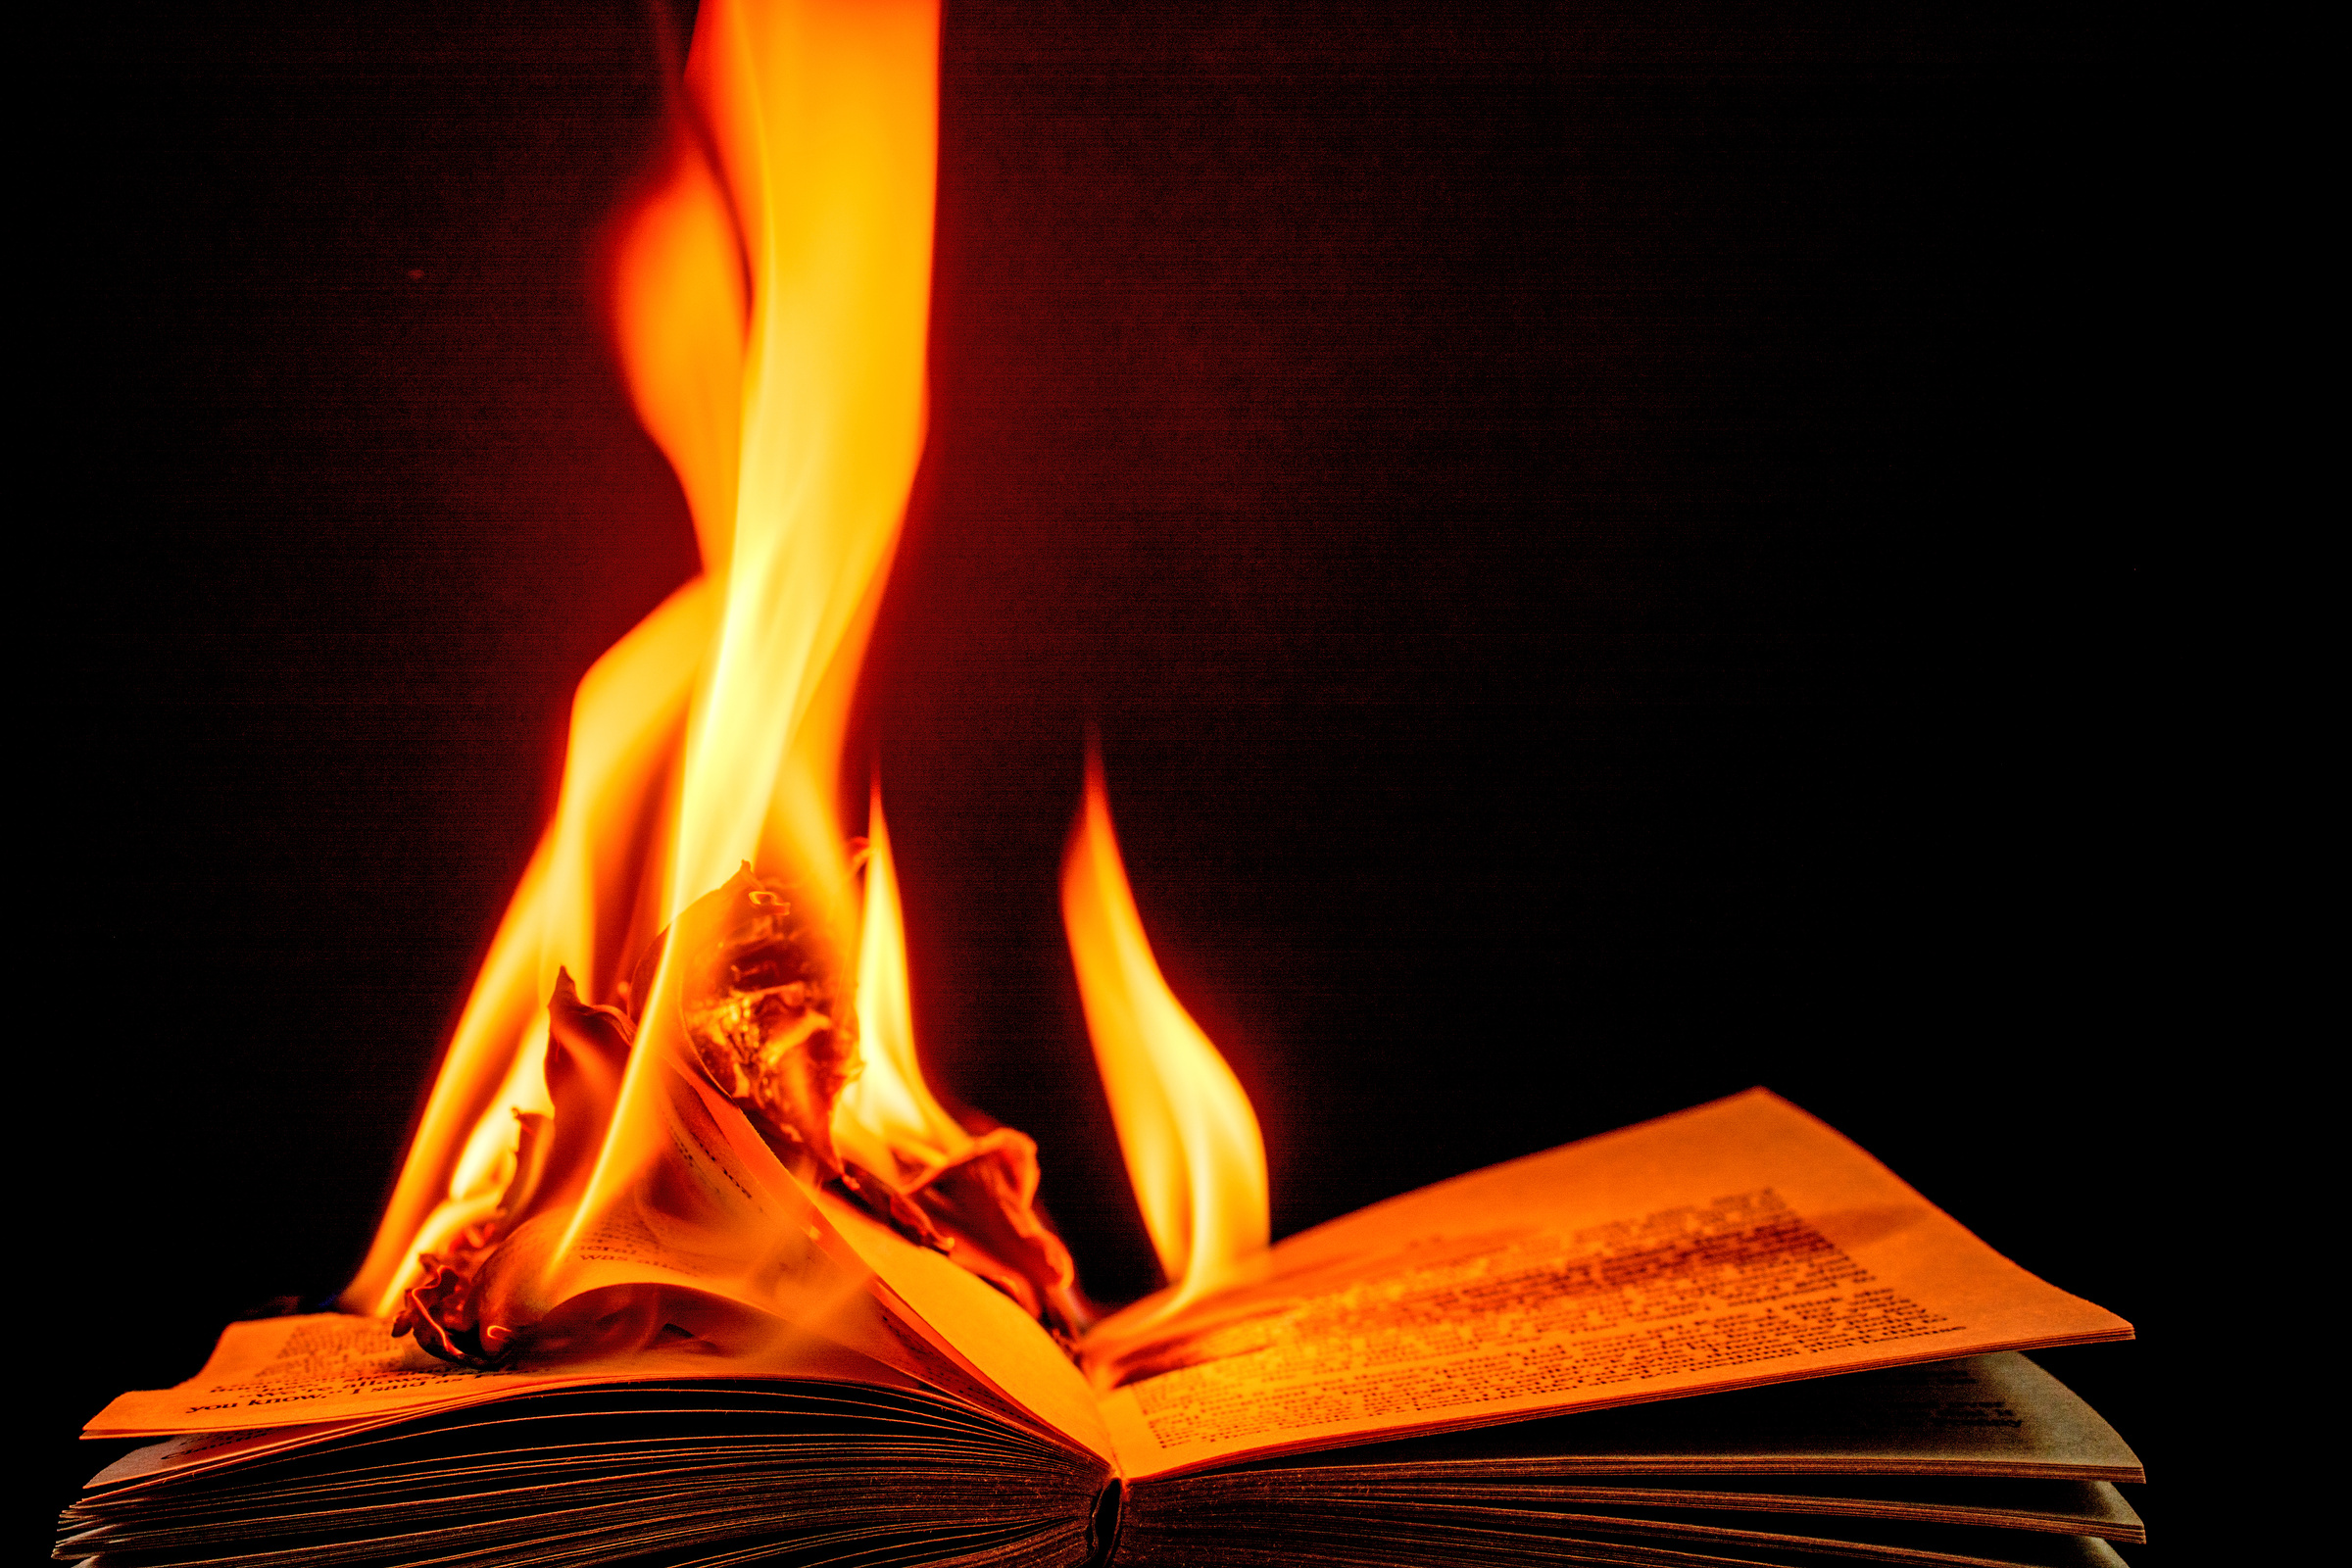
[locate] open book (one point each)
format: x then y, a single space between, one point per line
1725 1336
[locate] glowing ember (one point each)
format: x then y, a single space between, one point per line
761 994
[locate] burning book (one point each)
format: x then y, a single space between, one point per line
688 1264
1505 1366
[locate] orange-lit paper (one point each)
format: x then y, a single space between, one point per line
730 1247
1740 1243
1737 1243
334 1368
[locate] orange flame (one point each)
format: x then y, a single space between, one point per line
1192 1144
770 310
888 1112
770 302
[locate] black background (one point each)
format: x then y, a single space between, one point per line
1590 536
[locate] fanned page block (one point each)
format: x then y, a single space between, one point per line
1496 1369
1736 1244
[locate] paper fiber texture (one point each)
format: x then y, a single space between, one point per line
1736 1244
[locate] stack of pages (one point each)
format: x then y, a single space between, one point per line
1726 1336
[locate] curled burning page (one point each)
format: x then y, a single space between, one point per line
691 919
758 1001
475 1302
769 1012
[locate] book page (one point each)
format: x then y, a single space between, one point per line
980 1326
1983 1416
1736 1244
939 1322
332 1368
944 1324
724 1245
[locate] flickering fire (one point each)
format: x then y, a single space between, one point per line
698 909
1191 1141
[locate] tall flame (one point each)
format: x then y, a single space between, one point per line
770 310
688 922
888 1112
1192 1143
